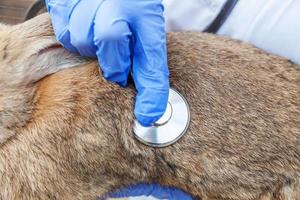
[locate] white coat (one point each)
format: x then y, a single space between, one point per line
272 25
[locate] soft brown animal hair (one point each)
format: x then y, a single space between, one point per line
69 135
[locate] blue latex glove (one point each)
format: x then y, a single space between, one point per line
149 192
125 35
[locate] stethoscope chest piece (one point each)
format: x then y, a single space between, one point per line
170 127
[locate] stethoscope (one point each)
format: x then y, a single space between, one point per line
170 127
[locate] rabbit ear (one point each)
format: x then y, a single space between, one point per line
32 68
33 53
51 60
4 27
37 27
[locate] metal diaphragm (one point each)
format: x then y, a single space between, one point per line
170 127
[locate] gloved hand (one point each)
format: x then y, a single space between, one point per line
122 34
148 192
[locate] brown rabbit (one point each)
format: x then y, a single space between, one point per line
69 135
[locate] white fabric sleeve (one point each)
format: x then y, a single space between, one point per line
192 15
272 25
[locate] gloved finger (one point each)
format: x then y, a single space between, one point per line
81 26
112 37
60 11
150 69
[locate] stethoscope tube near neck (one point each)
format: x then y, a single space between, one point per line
222 16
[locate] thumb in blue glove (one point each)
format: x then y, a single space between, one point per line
122 34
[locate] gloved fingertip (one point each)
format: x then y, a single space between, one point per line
147 121
120 78
150 105
64 39
121 82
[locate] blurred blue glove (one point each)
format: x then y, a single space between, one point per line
122 34
149 192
